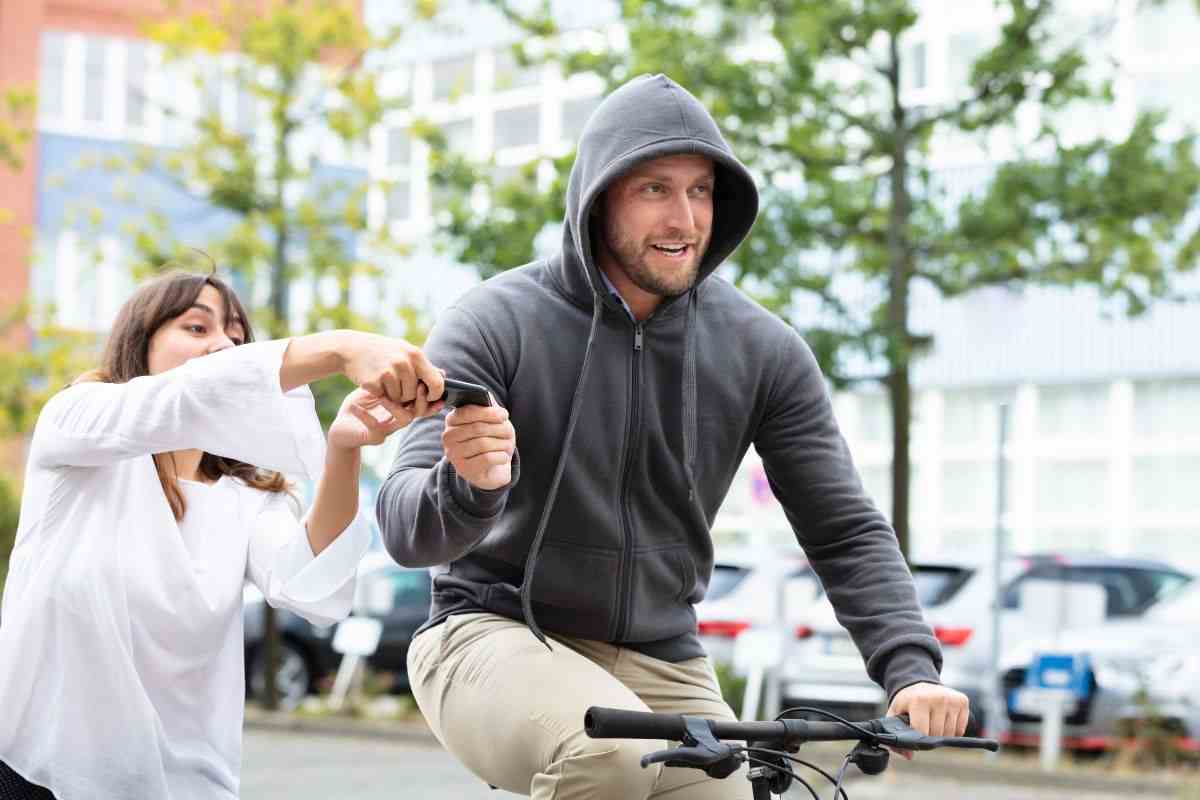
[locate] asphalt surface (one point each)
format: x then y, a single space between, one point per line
279 765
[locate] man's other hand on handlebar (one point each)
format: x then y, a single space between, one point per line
932 709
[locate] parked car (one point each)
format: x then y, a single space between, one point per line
1138 668
824 668
745 588
306 651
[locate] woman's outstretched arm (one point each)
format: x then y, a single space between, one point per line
363 419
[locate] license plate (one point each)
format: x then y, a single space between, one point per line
1033 702
840 646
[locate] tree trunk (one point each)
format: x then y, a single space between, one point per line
899 338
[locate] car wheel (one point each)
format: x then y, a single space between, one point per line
292 678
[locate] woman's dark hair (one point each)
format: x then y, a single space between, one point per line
127 356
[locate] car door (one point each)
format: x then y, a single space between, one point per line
410 608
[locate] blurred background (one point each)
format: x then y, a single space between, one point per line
975 211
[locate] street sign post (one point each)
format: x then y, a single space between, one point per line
1055 685
355 638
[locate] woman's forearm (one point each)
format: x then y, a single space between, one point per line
313 357
336 503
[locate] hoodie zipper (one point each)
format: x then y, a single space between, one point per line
625 601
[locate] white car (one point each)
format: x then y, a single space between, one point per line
748 588
825 669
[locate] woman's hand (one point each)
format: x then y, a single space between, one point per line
367 419
389 368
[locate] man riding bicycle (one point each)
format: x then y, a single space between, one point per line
566 574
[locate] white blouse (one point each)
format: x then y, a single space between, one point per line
121 653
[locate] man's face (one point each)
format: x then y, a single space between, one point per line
658 221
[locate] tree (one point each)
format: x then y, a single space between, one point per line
813 97
300 63
16 130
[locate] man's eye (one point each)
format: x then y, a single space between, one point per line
654 188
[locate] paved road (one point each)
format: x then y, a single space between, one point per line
295 766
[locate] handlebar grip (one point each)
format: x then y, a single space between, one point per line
970 743
619 723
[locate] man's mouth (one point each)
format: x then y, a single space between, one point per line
673 249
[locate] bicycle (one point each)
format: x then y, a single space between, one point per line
769 745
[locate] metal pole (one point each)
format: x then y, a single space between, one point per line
997 712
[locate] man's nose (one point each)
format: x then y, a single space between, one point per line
682 217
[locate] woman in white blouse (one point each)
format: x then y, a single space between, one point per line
154 489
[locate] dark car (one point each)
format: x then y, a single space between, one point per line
397 596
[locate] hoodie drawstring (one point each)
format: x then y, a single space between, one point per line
572 419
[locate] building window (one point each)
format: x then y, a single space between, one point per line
399 147
518 127
962 50
399 201
971 416
875 418
95 65
1165 408
512 75
913 67
453 78
208 81
1073 411
1166 484
1072 487
53 75
969 489
460 136
575 114
135 84
877 481
246 107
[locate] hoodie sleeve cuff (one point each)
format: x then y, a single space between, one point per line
906 666
481 503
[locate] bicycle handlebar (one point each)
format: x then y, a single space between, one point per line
615 723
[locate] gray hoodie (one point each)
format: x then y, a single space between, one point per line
630 434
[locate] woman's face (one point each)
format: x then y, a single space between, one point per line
200 330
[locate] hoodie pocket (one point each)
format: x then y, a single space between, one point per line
574 589
662 581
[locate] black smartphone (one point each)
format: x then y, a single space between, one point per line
462 393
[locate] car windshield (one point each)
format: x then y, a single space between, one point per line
725 578
1180 607
936 585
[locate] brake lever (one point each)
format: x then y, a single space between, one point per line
700 750
715 765
895 732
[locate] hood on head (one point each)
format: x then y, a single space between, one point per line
651 117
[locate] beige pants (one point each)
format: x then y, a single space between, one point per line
512 711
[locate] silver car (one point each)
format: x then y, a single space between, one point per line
825 668
746 586
1139 668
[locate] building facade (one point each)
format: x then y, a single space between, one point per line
1103 446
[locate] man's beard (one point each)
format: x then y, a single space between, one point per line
631 256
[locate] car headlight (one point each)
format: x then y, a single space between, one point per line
1169 676
1174 677
1120 674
